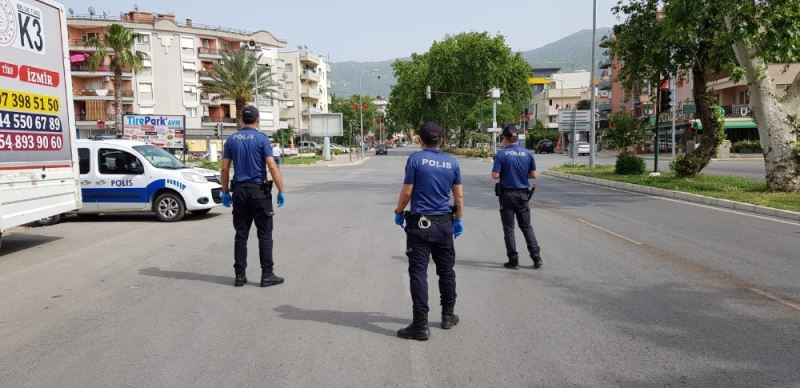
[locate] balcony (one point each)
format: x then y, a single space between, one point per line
205 76
605 85
83 45
100 94
209 53
308 58
604 107
606 63
208 121
85 71
309 76
310 93
309 111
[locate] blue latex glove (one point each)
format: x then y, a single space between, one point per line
458 228
281 199
227 201
399 220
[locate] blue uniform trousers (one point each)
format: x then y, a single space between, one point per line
421 245
251 203
514 204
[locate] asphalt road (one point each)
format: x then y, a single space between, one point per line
636 291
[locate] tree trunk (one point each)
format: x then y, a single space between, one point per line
776 127
118 101
696 160
240 103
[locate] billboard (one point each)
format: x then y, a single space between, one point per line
35 89
326 124
159 130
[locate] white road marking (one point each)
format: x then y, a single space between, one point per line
604 230
771 296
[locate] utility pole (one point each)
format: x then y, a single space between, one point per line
656 109
673 87
592 119
494 93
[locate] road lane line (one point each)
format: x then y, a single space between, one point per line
604 230
775 298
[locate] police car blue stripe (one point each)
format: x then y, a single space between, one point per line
126 194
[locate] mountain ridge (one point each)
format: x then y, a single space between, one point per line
570 53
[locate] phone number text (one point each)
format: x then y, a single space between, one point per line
15 141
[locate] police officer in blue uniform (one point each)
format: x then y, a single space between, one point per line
430 227
513 167
250 152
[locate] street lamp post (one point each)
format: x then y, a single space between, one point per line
361 107
494 93
592 119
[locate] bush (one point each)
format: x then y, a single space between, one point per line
686 165
629 164
334 152
747 146
470 152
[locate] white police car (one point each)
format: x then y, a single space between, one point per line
131 176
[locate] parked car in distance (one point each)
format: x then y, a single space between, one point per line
342 149
583 148
381 149
545 146
308 146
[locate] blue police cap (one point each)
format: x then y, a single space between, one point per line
249 113
430 132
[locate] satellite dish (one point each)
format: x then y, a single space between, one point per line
285 94
91 11
305 47
285 76
71 12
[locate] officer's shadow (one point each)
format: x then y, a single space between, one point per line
358 320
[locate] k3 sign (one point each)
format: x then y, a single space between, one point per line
22 26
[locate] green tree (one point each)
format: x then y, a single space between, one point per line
234 76
624 131
709 37
116 45
284 136
351 115
583 105
460 70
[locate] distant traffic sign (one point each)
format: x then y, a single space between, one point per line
495 130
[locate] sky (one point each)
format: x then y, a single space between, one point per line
361 31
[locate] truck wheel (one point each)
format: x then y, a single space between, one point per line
47 221
201 212
169 207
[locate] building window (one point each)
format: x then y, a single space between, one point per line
189 66
187 43
289 67
143 39
145 91
551 103
90 35
189 92
191 112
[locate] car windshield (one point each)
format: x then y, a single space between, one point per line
159 158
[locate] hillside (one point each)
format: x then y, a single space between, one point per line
570 54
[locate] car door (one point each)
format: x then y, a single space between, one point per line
87 167
121 183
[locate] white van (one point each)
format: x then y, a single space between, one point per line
130 176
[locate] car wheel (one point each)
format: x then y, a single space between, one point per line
200 212
47 221
169 207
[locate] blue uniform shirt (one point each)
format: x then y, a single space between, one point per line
248 148
433 175
514 163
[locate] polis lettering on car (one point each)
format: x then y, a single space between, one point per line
122 183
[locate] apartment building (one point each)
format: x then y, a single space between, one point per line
558 91
178 55
305 80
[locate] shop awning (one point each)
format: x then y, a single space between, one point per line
729 124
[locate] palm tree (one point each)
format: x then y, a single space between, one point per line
233 76
117 44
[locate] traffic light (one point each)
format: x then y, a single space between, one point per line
218 131
665 100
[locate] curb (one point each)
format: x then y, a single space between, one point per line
362 161
694 198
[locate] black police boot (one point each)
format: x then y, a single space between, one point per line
269 279
537 261
241 279
448 318
512 263
418 329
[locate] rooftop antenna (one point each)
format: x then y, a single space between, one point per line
91 11
136 7
105 14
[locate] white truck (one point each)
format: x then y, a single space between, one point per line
38 157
